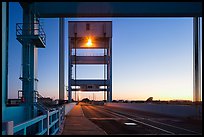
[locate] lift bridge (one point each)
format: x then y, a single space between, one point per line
34 115
90 35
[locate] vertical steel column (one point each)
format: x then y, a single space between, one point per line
196 60
110 90
61 59
48 122
104 63
75 35
70 71
108 68
5 28
36 68
59 117
28 62
109 87
36 31
35 80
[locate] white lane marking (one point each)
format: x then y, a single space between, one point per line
162 123
144 123
152 126
130 124
173 126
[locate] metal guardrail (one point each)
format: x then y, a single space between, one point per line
37 30
42 104
48 124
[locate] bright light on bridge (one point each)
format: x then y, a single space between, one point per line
89 43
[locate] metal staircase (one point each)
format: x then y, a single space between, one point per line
44 105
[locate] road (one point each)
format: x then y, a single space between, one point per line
119 121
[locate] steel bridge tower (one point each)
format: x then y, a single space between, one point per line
90 35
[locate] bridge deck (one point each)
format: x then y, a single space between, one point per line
77 124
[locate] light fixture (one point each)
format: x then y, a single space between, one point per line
89 43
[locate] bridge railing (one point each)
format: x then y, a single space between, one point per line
48 124
37 30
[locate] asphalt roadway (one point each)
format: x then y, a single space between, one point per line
120 121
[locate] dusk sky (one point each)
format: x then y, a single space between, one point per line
152 57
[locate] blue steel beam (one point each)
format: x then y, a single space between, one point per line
61 58
29 57
116 9
110 76
89 60
88 90
7 112
5 13
90 81
69 74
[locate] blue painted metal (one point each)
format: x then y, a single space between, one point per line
28 123
69 74
8 112
15 113
110 71
25 112
53 123
90 81
61 58
117 9
53 112
28 63
89 60
56 130
5 13
31 35
72 9
38 38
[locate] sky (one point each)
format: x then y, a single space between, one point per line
152 57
